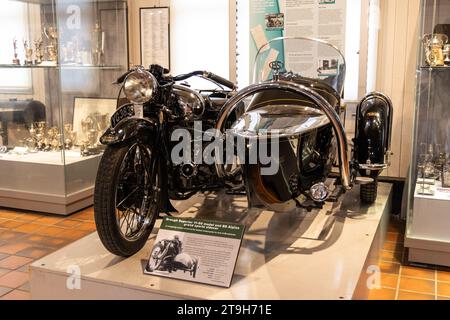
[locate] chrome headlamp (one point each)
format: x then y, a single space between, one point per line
140 86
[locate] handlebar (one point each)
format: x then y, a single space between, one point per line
205 74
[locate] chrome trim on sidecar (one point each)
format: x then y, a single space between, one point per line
328 110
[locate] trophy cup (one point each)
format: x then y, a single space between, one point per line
28 53
434 45
16 60
38 51
51 49
446 53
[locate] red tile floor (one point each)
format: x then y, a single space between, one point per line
28 236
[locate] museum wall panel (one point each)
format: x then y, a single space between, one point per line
397 55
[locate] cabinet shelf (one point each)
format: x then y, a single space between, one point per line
61 67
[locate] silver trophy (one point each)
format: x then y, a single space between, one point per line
39 54
16 60
28 53
52 36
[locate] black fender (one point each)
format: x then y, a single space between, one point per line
142 129
373 133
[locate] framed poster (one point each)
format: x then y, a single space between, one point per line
154 25
92 113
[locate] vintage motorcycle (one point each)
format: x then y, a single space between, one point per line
293 107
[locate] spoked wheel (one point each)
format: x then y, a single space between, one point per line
126 198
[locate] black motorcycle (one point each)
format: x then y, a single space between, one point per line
292 111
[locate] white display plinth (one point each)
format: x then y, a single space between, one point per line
47 181
319 255
428 232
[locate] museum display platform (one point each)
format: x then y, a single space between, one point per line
324 254
48 181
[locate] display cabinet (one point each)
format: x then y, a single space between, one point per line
58 63
428 211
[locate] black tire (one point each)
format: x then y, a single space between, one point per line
368 192
105 212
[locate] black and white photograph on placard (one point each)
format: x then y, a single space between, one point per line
167 256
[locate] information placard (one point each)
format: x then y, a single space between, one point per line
155 36
196 250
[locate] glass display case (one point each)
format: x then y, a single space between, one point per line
57 66
428 212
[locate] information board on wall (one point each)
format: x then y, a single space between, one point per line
155 33
196 250
320 19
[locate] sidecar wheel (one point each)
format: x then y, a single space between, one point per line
125 210
368 192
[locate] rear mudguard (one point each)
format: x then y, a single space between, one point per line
373 134
143 131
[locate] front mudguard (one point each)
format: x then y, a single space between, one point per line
131 129
145 131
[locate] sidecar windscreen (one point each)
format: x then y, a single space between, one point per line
296 57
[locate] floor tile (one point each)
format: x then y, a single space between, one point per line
25 287
14 262
4 271
29 228
443 274
17 295
389 267
14 247
11 224
389 280
48 220
403 295
73 234
382 294
87 226
394 256
24 268
68 223
11 235
4 290
394 237
417 285
51 231
34 252
392 246
14 279
411 271
7 215
28 217
443 289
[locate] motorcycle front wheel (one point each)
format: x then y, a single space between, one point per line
126 198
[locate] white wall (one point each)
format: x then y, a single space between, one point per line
200 36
